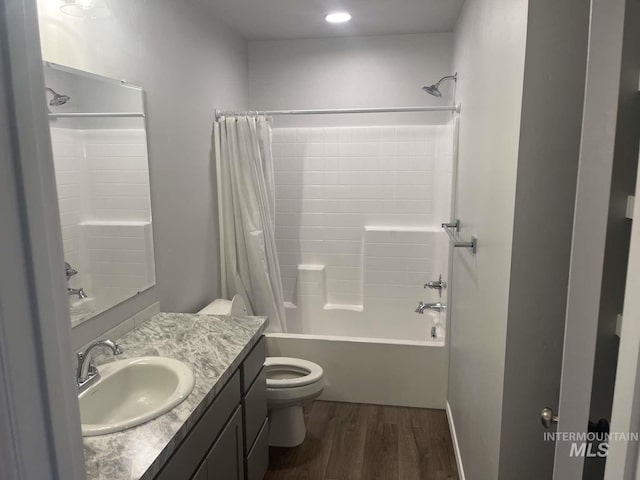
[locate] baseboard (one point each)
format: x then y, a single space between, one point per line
456 447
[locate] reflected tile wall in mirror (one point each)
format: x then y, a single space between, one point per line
99 143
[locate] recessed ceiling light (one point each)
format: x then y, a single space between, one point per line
338 17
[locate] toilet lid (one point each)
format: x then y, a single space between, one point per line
234 307
291 372
239 306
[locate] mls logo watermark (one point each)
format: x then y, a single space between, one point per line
586 449
590 444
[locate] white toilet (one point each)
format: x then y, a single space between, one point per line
290 383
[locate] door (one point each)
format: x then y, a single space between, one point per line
623 453
607 172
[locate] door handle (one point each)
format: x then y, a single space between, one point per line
547 418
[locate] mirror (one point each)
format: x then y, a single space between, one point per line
99 143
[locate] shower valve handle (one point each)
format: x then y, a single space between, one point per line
437 284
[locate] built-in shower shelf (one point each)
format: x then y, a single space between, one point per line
114 223
330 306
403 229
352 308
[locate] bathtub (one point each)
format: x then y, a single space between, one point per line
372 370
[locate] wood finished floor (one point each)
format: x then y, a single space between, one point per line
368 442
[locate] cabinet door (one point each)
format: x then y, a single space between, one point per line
201 474
258 458
196 446
225 460
254 406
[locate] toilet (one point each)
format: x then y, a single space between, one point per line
290 383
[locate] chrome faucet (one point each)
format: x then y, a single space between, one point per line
437 307
87 374
69 271
77 291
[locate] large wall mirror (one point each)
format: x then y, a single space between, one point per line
99 145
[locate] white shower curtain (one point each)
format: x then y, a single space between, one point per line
248 217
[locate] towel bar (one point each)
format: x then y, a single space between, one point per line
450 227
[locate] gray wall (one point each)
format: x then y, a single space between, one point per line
489 57
189 64
350 72
549 151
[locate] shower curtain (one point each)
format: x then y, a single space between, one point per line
247 194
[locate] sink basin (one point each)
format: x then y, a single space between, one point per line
133 391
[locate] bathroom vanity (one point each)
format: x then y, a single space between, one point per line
220 431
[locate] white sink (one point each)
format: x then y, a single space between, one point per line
132 392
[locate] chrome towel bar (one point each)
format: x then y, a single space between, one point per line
452 230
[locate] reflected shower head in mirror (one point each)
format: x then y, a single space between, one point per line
58 99
435 88
90 9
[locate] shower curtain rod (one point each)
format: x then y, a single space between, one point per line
96 115
220 114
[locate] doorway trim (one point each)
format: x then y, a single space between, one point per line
42 438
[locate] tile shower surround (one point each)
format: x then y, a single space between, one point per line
366 203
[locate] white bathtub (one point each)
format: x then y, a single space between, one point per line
374 371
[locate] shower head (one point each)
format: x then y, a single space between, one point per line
435 88
58 99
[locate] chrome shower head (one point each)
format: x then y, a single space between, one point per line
58 99
435 88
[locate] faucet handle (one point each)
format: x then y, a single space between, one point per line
92 369
69 270
436 284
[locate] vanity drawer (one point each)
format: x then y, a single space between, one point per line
253 364
258 458
255 409
195 446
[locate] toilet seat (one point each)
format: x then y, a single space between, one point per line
305 372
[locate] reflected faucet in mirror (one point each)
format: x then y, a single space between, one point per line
77 291
70 272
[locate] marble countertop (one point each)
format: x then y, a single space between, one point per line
214 347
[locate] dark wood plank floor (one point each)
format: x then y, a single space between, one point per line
348 441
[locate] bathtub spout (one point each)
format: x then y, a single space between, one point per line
437 307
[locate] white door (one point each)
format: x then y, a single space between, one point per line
600 228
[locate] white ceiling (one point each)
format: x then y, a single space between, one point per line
280 19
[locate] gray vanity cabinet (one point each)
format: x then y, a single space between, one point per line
229 441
